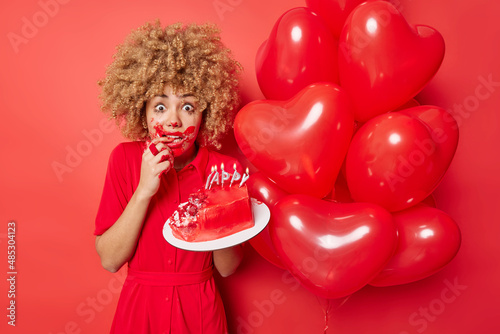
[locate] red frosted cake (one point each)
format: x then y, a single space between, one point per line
211 214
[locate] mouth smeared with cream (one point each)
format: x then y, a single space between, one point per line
176 140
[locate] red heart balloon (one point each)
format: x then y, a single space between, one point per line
333 12
299 144
428 240
397 159
300 51
341 193
383 61
332 249
443 127
264 189
268 192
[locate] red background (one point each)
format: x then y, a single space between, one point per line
49 106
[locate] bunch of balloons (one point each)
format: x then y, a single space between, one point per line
347 160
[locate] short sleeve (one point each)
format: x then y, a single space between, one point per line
116 194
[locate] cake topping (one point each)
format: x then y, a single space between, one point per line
236 175
225 176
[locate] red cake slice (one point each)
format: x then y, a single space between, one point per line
212 214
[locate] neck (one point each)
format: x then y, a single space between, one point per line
183 160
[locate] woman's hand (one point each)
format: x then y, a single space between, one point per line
227 260
153 166
118 243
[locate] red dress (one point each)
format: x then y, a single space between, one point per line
168 290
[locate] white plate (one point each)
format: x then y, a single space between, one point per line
261 215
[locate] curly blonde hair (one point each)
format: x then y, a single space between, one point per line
189 58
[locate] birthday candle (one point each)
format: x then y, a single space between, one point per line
208 178
215 178
224 175
244 177
236 175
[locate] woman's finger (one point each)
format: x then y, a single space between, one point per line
153 149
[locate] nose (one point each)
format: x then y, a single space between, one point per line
172 120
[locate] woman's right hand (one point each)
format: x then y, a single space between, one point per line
153 166
116 245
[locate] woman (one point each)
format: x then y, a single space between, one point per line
174 92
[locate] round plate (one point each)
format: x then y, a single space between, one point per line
261 215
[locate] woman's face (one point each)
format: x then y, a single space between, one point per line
176 117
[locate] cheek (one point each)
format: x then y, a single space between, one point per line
154 128
191 133
150 120
194 125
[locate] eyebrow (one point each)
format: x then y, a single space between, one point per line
184 95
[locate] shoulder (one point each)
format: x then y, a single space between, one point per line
124 162
127 149
126 155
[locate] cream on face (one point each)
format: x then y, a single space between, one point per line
174 117
177 141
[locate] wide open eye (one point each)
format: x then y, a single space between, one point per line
160 107
188 107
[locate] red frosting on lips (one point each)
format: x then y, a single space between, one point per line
161 132
187 136
177 148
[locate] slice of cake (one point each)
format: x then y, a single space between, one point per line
211 214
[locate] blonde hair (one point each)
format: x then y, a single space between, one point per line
191 59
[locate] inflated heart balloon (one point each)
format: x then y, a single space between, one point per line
341 193
428 240
443 126
268 192
264 189
397 159
332 249
299 144
383 61
300 51
333 12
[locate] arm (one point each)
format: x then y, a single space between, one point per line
228 259
117 245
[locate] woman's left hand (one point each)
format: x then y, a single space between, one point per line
227 260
